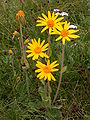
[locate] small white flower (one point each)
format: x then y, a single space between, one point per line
74 45
56 10
62 14
72 26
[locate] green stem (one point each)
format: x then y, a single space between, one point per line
27 85
45 89
12 65
60 75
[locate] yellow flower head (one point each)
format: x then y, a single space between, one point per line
27 41
10 52
36 49
49 22
15 33
65 33
45 70
20 15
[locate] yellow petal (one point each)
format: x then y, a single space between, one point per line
58 38
28 51
50 29
30 44
52 15
66 26
63 41
39 41
45 49
59 19
54 70
53 78
45 28
55 31
30 55
48 62
38 70
40 65
55 17
72 31
42 76
33 57
41 21
49 77
39 75
44 16
46 45
74 36
28 47
33 41
45 77
49 15
42 43
67 38
41 24
36 56
59 27
54 65
44 55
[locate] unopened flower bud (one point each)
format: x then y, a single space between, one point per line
10 52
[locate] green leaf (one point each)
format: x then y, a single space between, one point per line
64 69
42 93
42 81
50 52
26 66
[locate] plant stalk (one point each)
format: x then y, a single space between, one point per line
48 80
24 57
22 42
60 75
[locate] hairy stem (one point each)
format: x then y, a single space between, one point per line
48 80
24 57
60 75
22 42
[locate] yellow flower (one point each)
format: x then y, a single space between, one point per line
65 33
36 49
45 70
15 33
20 15
27 41
49 22
10 52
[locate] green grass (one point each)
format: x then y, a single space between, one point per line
73 98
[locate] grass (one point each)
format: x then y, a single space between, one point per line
73 98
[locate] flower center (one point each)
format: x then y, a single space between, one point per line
37 50
50 23
64 33
47 69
